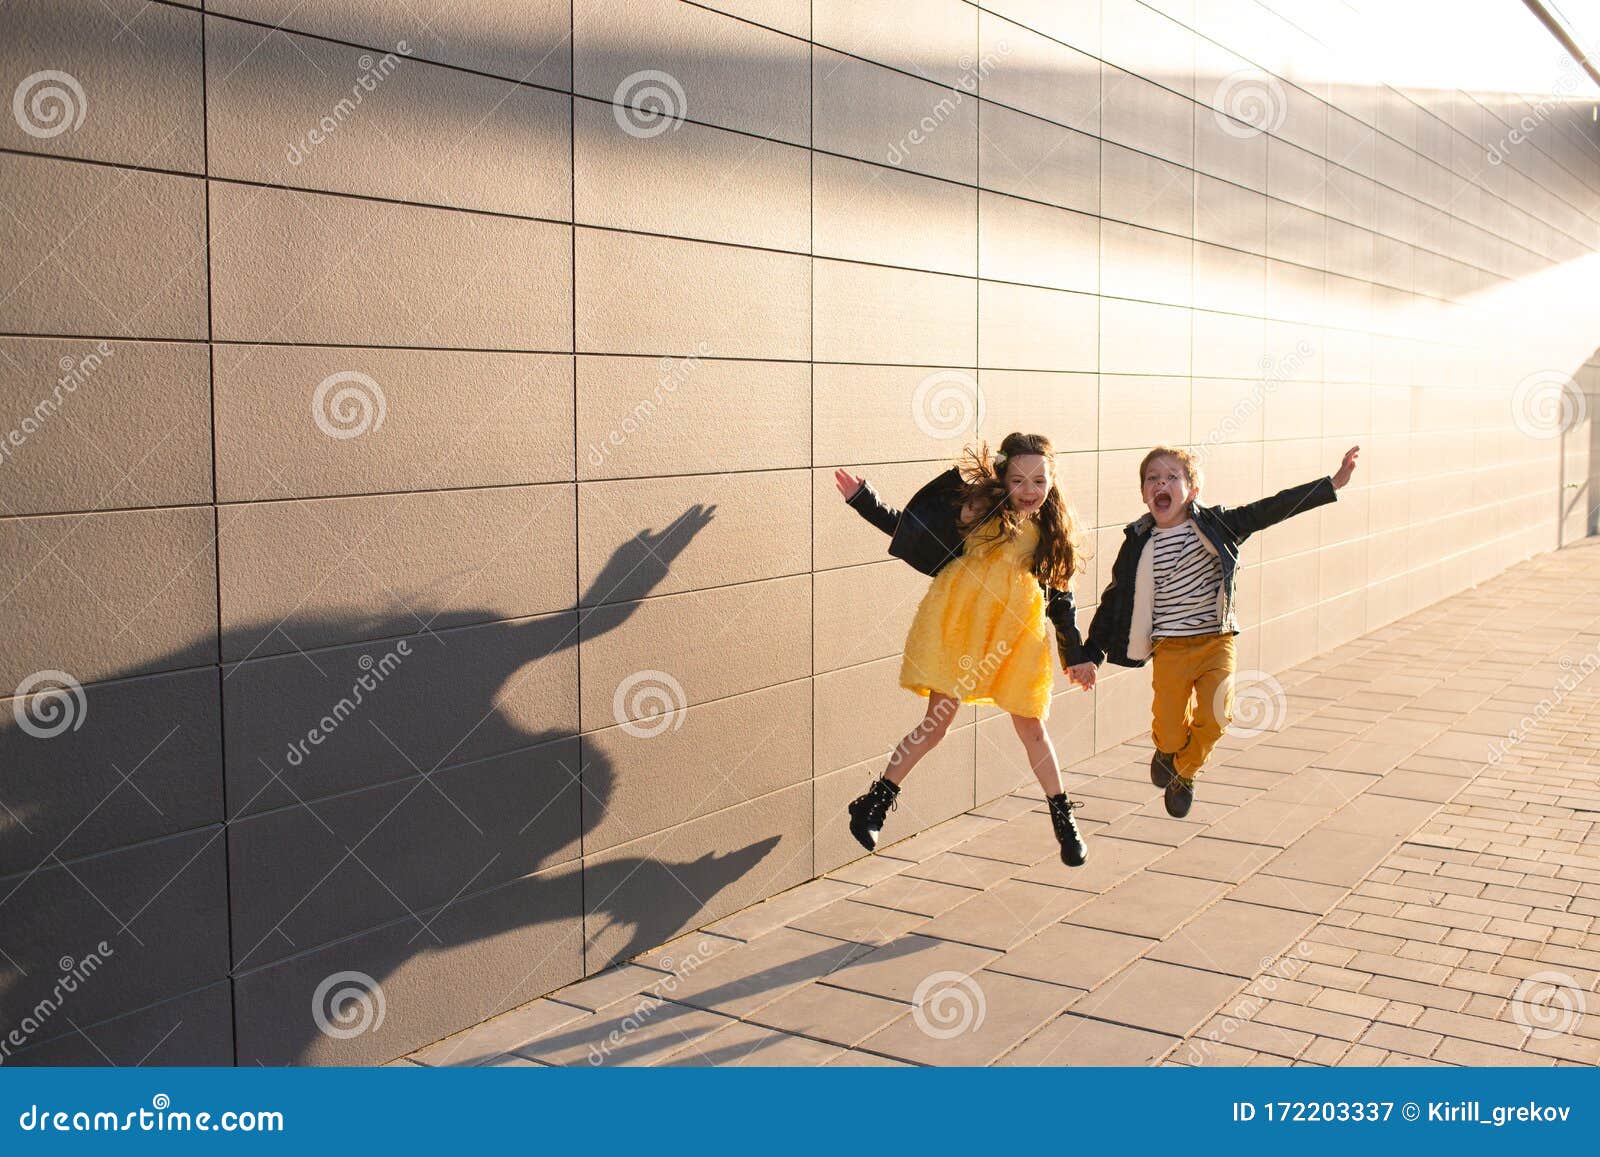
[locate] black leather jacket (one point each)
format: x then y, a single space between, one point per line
1113 633
924 534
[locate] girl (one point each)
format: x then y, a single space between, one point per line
1002 545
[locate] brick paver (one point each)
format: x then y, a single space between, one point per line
1388 879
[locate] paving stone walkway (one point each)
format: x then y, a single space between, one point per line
1404 871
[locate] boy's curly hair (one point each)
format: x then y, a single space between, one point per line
1061 551
1189 463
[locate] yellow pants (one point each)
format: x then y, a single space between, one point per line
1193 680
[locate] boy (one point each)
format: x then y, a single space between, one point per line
1171 595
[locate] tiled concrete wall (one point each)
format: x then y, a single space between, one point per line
424 421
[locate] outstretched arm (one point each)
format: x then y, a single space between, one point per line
1245 520
858 492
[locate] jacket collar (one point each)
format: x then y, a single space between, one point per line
1146 522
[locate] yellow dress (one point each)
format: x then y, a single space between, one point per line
980 633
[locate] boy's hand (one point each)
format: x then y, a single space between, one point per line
847 483
1347 467
1082 674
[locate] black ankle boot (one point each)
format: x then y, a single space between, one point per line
1073 850
1179 795
1162 768
867 812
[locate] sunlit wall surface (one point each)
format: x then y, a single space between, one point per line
424 580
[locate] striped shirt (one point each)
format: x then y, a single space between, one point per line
1188 577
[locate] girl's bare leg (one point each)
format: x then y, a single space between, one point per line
923 738
1041 753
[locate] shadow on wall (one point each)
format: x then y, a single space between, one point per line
405 847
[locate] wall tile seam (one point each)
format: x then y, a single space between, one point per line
570 40
811 398
21 878
1418 109
816 466
302 801
582 858
122 1015
414 57
1269 198
238 973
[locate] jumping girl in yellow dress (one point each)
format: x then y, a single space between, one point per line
1002 545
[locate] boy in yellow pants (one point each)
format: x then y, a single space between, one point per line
1171 595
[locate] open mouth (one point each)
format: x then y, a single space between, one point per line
1162 503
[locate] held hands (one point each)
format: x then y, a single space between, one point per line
1346 468
1082 674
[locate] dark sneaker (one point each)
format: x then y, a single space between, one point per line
1073 850
868 811
1162 769
1180 794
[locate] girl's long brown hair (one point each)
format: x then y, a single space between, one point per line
1060 553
